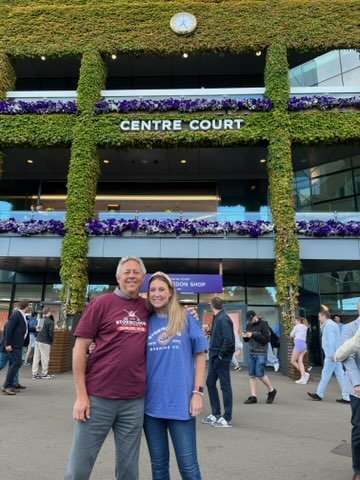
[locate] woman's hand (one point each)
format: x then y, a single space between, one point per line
357 390
196 404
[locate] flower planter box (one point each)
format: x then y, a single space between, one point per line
61 351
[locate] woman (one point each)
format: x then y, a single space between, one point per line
176 366
297 357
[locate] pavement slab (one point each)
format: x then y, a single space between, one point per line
295 438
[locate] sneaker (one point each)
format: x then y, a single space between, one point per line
47 376
222 423
250 400
36 376
301 381
315 396
237 369
310 367
306 377
271 396
276 367
26 364
209 420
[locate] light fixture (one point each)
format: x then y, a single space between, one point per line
253 187
144 161
113 56
183 161
43 58
106 161
258 53
263 160
185 55
30 161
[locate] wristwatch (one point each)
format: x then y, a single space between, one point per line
198 389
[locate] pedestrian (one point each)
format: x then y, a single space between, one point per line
330 341
32 323
258 336
238 348
4 360
299 333
176 364
221 350
44 340
111 384
16 339
273 345
352 381
337 320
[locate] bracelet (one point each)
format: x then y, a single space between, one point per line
199 393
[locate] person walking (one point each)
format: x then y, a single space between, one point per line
44 340
330 341
16 339
111 384
351 362
176 364
258 336
299 333
32 324
221 350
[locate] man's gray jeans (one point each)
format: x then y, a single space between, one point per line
125 418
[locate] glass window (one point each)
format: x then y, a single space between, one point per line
356 160
5 292
96 290
270 314
352 78
332 186
52 292
350 59
336 81
29 292
330 167
261 295
229 294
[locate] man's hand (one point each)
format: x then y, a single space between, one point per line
8 348
357 390
196 404
247 334
81 410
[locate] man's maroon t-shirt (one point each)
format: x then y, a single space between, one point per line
116 367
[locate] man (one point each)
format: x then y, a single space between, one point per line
330 341
352 382
16 336
4 360
257 334
43 342
221 350
337 320
111 385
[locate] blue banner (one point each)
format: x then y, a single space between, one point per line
192 283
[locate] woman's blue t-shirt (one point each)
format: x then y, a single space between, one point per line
171 367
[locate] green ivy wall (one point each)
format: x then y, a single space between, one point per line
89 28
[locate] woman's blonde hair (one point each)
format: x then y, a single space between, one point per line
176 312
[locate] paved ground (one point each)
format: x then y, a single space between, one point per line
291 439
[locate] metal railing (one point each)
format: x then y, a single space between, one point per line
178 93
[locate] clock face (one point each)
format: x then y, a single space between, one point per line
183 23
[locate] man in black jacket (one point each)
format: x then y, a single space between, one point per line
257 334
221 350
16 336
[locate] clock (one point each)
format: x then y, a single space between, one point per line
183 23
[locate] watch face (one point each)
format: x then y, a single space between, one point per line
183 23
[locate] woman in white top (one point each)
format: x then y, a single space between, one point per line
298 353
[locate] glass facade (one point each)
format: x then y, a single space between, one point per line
337 68
328 187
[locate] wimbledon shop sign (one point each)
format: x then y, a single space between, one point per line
178 125
192 283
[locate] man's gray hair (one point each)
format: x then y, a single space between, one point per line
127 259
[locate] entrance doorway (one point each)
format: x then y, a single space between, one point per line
237 313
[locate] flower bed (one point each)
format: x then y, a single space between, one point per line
12 107
322 102
118 227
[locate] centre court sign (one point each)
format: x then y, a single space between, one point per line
178 125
